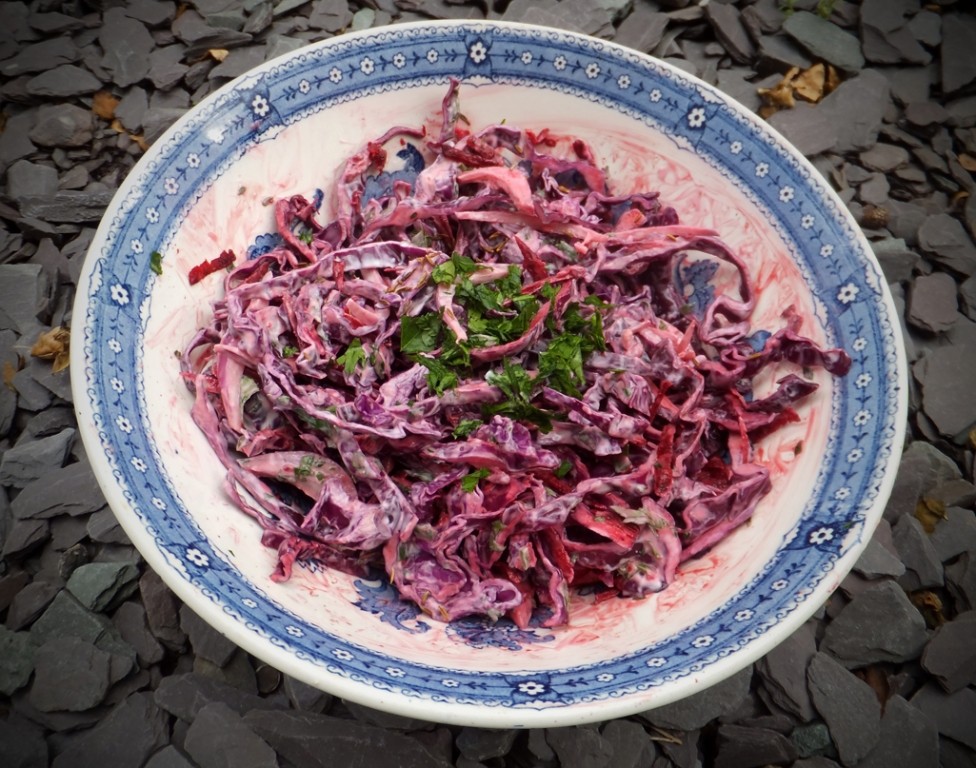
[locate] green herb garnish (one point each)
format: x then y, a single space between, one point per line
353 356
470 481
156 262
420 334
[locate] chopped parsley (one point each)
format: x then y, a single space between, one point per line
470 481
353 356
420 334
466 426
156 262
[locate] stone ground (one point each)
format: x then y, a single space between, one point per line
101 666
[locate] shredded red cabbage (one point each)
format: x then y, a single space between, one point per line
484 377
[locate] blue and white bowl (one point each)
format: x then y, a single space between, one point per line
284 129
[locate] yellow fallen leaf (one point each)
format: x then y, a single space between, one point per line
9 371
104 104
832 80
780 96
218 54
54 345
968 162
929 605
929 512
809 84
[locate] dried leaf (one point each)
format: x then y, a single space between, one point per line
874 217
104 104
139 139
54 345
832 80
809 84
218 54
968 162
929 605
929 512
780 96
876 678
9 371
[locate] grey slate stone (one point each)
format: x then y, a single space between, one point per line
153 13
910 84
205 640
66 617
926 113
23 537
945 239
887 15
384 719
933 305
62 125
30 460
130 621
126 43
71 206
485 743
908 738
741 747
877 561
943 374
166 68
954 493
627 741
185 695
579 747
642 29
217 738
305 697
40 56
697 710
69 674
63 82
880 624
103 527
15 142
922 468
875 189
961 581
162 610
778 52
954 534
848 706
807 127
26 178
71 490
309 740
958 43
31 396
730 31
126 738
952 713
102 586
22 744
734 83
857 106
30 602
24 296
812 739
169 757
825 40
896 47
238 61
951 654
783 672
16 661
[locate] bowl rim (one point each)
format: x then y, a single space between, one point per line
396 702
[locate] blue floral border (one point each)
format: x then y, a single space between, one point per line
866 413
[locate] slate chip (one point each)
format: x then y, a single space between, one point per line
184 695
65 81
922 468
22 744
25 178
70 674
857 108
908 737
125 738
126 43
642 29
162 610
731 32
309 740
952 713
627 741
102 586
481 744
951 654
580 747
808 127
62 125
217 738
30 602
695 711
740 747
71 490
41 56
880 624
958 43
946 240
16 660
783 672
943 374
31 460
24 296
825 40
305 697
848 706
954 534
205 640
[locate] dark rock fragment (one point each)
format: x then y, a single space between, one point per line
162 610
218 738
41 56
30 603
642 29
318 741
951 654
857 108
126 43
740 747
952 713
933 305
958 44
102 586
22 744
30 460
879 624
784 672
485 743
71 490
205 640
848 706
825 40
628 741
70 674
908 737
185 695
954 534
169 757
944 237
699 709
16 660
943 374
808 127
24 298
730 31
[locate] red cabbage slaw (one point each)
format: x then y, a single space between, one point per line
483 376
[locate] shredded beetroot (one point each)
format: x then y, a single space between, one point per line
203 269
483 377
